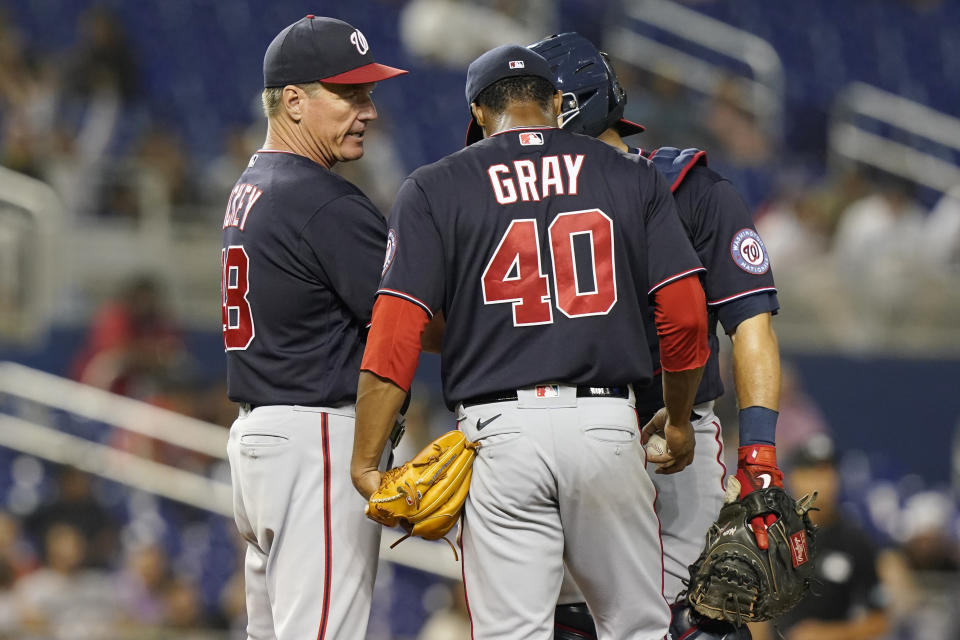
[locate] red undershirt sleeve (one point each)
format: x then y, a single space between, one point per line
393 344
681 317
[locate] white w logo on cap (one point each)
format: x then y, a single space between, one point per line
357 39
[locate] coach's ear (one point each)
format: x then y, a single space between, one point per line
292 101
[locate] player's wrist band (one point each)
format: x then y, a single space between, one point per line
758 425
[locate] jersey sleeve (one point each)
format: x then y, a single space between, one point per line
414 267
669 253
738 265
736 311
346 238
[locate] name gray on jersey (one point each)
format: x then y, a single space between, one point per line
527 182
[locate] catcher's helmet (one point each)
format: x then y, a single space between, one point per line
593 99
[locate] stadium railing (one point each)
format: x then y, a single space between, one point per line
29 400
765 90
916 159
31 217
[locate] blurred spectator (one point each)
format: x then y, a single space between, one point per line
942 245
103 60
28 90
9 610
451 621
133 342
233 604
165 177
794 230
61 599
927 539
74 504
930 551
847 600
100 82
142 584
221 173
183 608
738 146
876 243
15 552
655 97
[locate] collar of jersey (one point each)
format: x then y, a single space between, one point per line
520 129
289 153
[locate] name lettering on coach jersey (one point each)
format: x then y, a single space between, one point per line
241 200
527 181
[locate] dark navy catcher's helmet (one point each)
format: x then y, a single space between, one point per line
593 99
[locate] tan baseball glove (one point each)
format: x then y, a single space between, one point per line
425 495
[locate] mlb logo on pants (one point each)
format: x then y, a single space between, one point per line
548 391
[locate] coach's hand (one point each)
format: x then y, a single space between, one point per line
366 481
680 443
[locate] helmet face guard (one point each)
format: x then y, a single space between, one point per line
593 99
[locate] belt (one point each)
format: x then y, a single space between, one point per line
582 392
396 433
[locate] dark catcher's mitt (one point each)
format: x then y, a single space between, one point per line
735 580
425 495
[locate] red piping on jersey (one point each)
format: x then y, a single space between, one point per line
689 632
742 294
674 277
530 128
723 467
327 537
463 574
691 163
571 630
406 296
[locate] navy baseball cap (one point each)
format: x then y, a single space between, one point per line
315 48
507 61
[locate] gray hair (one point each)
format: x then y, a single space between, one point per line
271 97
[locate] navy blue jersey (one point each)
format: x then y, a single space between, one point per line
738 283
541 248
302 251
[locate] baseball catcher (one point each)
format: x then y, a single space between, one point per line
424 496
748 573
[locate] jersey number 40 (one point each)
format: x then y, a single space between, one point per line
515 273
238 329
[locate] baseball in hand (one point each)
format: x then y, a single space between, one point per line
656 445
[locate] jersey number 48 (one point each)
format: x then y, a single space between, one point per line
238 329
515 273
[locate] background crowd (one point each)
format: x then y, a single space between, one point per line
141 115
